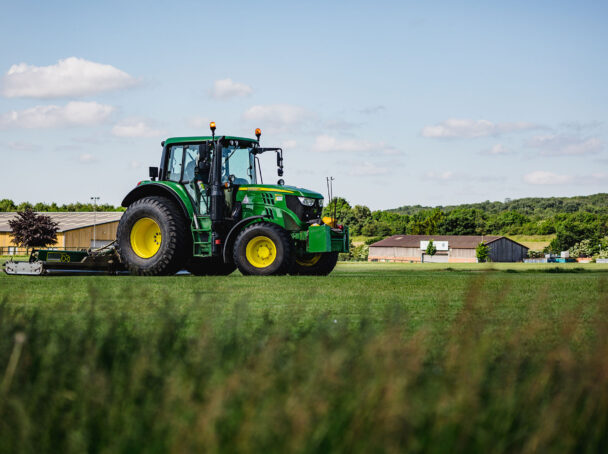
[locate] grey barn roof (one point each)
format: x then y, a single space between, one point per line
68 220
454 241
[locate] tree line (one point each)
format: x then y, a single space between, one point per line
572 220
7 205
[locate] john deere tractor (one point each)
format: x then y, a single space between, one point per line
206 209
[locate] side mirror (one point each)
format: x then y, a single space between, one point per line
280 162
153 172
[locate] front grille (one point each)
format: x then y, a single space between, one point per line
267 198
304 213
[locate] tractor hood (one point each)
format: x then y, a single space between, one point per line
289 190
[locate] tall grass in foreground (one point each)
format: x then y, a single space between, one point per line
104 379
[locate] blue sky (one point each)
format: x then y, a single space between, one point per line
429 103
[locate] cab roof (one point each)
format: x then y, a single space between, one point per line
173 140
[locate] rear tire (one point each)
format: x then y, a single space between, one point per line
263 249
211 266
315 264
153 238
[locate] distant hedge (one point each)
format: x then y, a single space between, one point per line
7 205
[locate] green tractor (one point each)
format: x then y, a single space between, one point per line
206 209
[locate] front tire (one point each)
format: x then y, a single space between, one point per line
315 264
153 238
263 249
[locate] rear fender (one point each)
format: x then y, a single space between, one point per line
172 191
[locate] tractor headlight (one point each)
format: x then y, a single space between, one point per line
306 201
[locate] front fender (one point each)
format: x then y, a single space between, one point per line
226 256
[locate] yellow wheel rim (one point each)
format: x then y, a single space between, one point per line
261 251
308 260
145 238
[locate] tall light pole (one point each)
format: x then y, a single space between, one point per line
94 199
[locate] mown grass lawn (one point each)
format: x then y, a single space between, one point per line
374 357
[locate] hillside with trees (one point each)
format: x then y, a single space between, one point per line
571 220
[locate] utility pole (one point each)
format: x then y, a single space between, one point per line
94 199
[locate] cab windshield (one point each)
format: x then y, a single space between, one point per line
238 165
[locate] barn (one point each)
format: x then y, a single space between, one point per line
450 249
76 230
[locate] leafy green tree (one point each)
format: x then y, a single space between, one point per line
7 205
431 249
370 229
425 222
360 215
23 206
342 211
586 248
508 222
464 221
383 228
482 252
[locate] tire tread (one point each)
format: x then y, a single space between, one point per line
177 251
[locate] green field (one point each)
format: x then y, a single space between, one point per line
374 358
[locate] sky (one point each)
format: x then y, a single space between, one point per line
403 103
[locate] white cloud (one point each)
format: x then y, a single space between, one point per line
339 125
20 146
199 123
67 78
226 88
442 176
563 145
580 126
72 114
543 177
601 177
87 158
135 128
467 128
497 150
372 109
135 165
289 144
278 117
327 143
367 169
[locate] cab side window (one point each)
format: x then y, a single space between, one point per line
174 165
190 162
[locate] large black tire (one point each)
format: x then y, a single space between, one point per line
272 240
210 267
175 242
315 264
